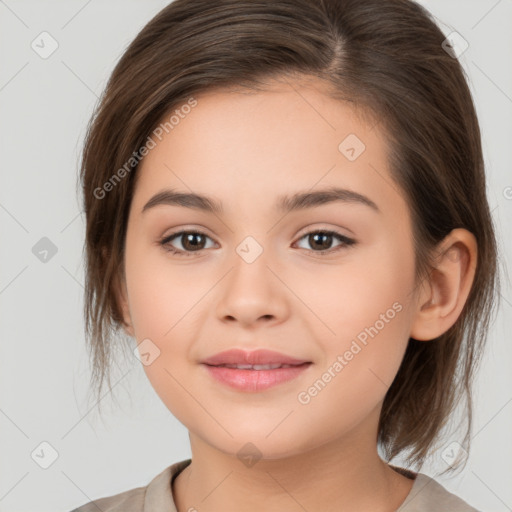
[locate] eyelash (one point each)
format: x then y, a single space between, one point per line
165 242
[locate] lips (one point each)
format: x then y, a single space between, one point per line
254 371
257 359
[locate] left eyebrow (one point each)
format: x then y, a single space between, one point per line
303 200
297 201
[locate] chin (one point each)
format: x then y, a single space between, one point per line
254 447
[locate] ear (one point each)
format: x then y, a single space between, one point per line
121 296
444 293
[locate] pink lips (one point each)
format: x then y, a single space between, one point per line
261 356
253 379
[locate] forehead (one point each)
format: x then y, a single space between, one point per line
246 146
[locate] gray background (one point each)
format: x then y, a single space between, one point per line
45 105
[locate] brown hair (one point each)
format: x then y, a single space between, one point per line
385 56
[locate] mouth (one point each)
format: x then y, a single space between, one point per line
260 359
257 367
255 378
254 371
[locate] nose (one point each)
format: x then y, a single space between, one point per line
252 294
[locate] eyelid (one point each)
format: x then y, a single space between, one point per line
334 229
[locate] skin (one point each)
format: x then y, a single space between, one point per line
243 150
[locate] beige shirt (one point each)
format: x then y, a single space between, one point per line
426 495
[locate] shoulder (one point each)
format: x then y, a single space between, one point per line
127 501
156 496
427 494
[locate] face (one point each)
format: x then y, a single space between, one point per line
254 275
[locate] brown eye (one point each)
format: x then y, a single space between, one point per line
194 241
190 241
321 241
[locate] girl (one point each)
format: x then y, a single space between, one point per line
286 211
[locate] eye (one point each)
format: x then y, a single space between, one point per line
321 238
190 241
194 241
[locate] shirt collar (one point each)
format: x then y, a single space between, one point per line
158 496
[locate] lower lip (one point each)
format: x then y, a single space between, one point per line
255 380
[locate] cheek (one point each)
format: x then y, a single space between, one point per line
367 310
162 293
353 295
162 299
359 367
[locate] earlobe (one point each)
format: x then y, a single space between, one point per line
446 290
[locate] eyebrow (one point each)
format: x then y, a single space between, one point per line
297 201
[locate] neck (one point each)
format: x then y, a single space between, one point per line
338 475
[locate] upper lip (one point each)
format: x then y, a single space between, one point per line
260 356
